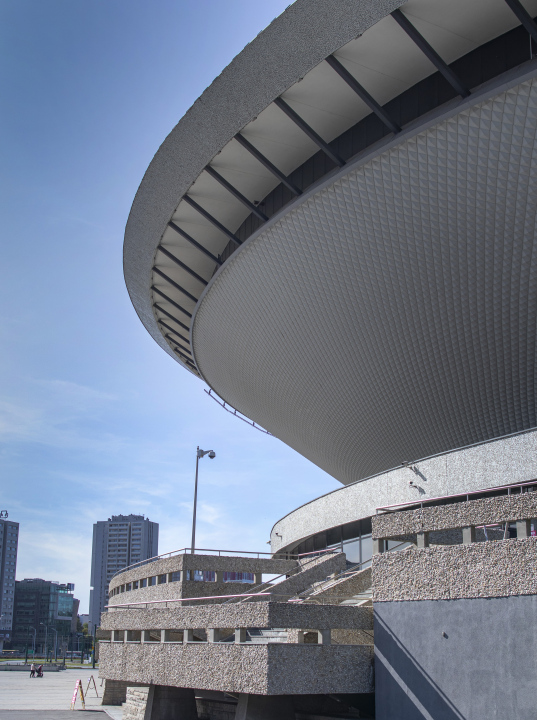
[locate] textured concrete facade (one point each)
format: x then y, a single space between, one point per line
499 462
488 569
271 669
508 508
258 615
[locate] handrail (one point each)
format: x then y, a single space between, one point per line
187 551
159 602
420 503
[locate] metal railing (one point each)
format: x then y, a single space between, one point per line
420 503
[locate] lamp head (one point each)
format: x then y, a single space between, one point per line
212 454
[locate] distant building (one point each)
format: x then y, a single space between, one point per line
84 618
45 615
120 541
9 541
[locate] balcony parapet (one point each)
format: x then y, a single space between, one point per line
245 615
242 667
167 579
521 506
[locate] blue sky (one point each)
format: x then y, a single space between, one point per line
95 419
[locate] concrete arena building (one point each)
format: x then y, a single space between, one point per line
338 238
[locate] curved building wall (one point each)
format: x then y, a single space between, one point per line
501 462
391 314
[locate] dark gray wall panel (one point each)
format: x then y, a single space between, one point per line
484 668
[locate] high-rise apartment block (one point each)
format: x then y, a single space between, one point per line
117 542
9 541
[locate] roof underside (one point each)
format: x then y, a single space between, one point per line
247 149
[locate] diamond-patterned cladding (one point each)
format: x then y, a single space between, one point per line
392 315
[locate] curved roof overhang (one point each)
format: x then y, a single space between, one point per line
287 100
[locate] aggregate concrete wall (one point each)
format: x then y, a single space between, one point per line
179 589
483 667
506 508
488 569
259 615
272 669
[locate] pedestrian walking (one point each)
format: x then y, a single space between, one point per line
32 670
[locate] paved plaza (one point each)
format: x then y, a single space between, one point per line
49 697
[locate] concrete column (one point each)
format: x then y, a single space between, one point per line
125 635
378 545
422 540
258 578
300 637
219 576
172 703
162 635
264 707
523 528
240 635
325 637
468 535
213 635
188 636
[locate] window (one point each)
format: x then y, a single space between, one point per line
239 577
201 575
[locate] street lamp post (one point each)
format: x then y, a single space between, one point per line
47 628
46 640
33 641
55 643
199 454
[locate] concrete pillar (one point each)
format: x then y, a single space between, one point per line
213 635
162 635
125 635
300 637
325 637
258 578
378 545
188 636
523 528
468 535
422 540
171 703
219 576
264 707
240 635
